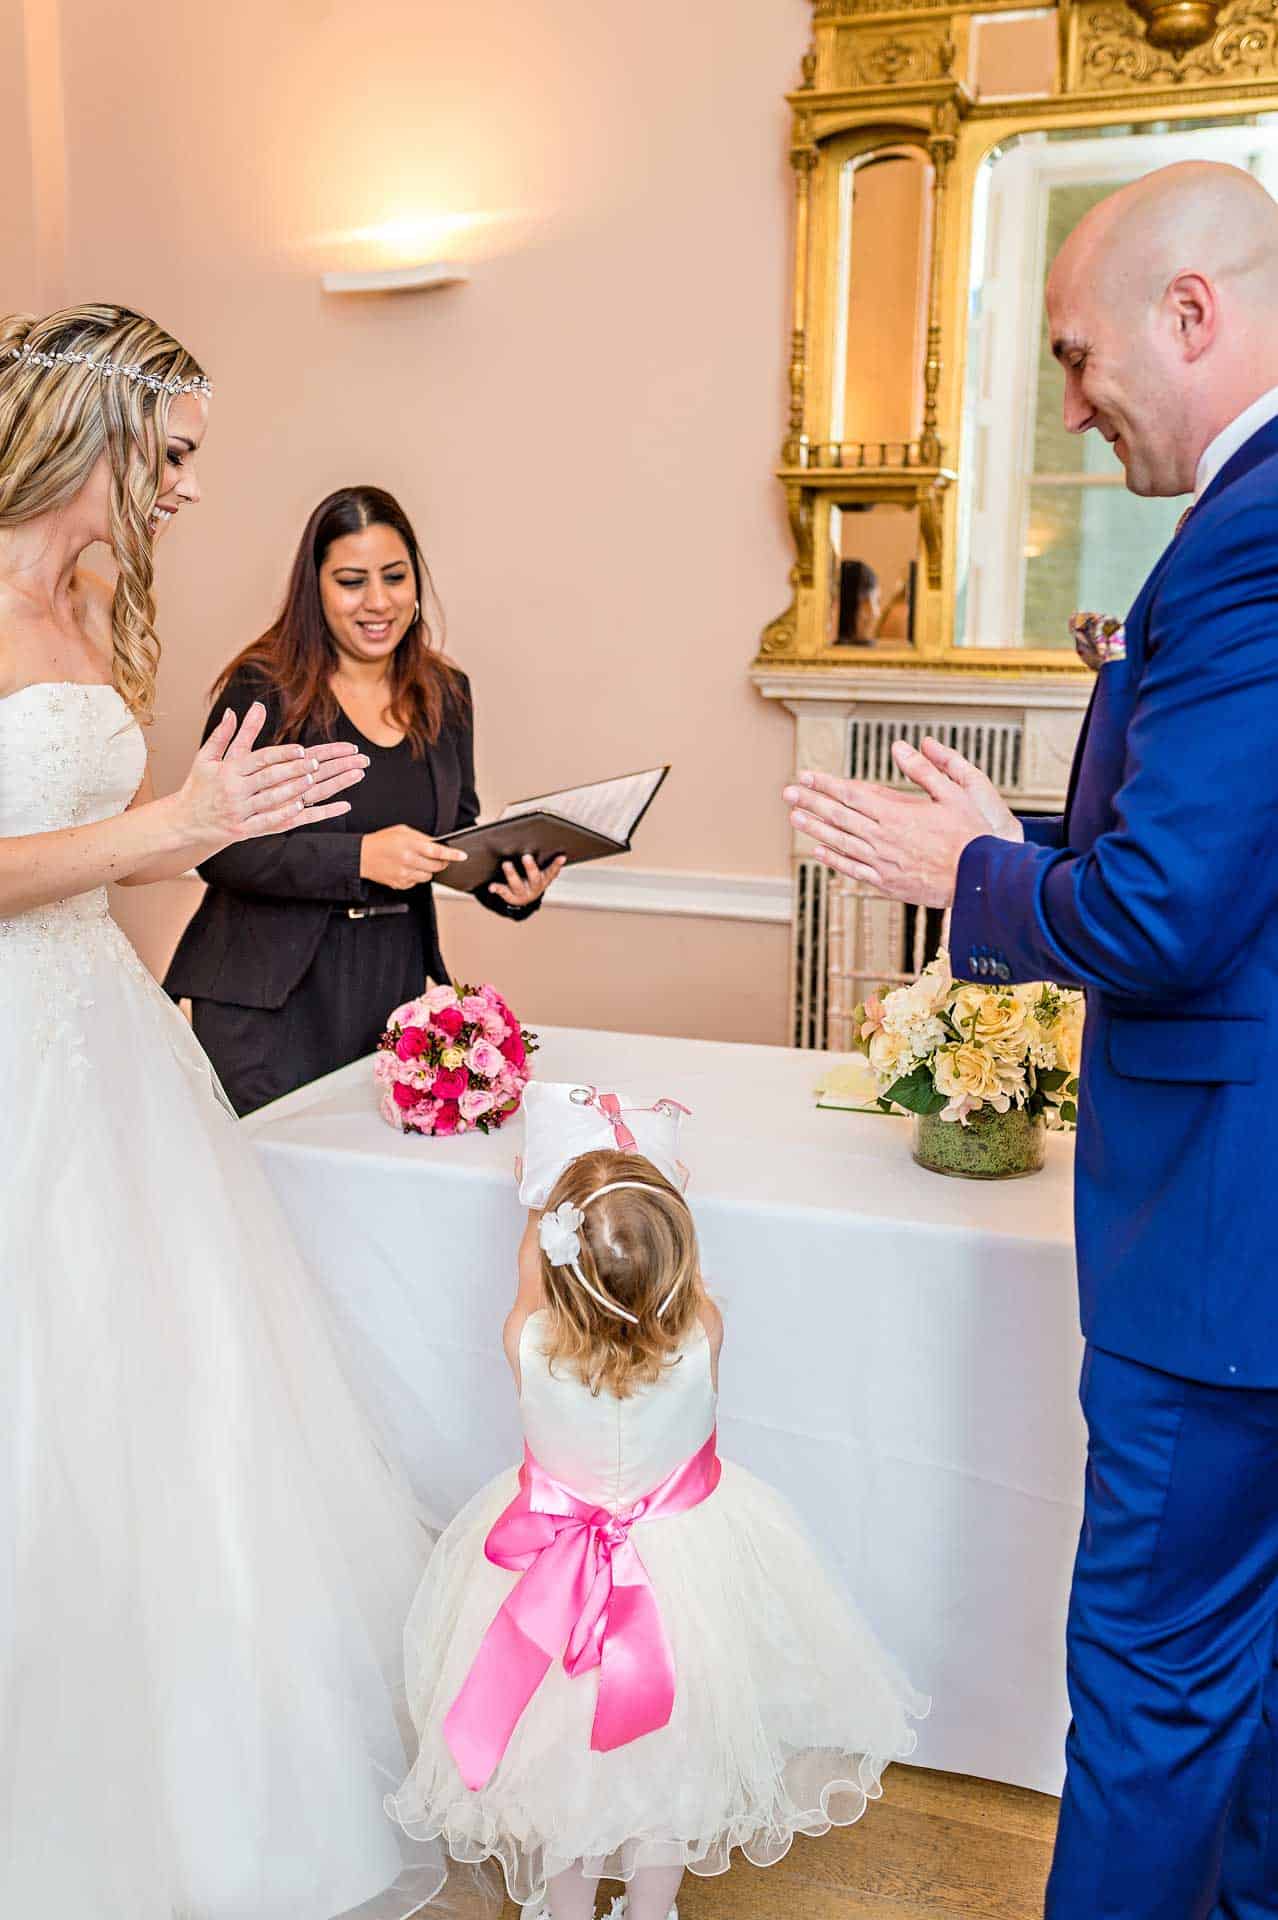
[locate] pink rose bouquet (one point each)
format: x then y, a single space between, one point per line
453 1060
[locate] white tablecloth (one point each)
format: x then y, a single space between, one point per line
901 1360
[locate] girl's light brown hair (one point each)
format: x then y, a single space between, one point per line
636 1246
56 422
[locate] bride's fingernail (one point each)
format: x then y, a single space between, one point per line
314 766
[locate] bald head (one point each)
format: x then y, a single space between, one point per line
1161 309
1199 216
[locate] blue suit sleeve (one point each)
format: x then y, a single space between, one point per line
1169 899
1043 829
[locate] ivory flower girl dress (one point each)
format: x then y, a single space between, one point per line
785 1711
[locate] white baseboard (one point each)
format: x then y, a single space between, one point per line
598 888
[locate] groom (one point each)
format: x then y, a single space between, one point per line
1158 892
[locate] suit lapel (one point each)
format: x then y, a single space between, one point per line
1109 678
1263 444
1077 761
446 774
1260 446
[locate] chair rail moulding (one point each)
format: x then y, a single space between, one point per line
763 898
944 525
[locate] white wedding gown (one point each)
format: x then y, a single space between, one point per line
205 1563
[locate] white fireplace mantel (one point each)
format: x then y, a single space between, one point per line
1021 729
1044 711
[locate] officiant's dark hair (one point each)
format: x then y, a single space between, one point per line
297 653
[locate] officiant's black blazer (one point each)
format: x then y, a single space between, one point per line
258 927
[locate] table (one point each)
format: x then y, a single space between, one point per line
901 1359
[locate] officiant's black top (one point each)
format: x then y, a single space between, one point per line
284 983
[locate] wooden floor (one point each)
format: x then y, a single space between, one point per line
937 1844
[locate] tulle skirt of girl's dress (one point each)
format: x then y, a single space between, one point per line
204 1560
786 1707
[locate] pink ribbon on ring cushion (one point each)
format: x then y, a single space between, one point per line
610 1107
584 1597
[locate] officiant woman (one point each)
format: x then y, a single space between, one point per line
304 942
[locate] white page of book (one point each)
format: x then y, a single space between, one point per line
610 807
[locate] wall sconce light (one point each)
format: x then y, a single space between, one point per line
437 273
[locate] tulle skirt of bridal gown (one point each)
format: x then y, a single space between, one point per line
205 1561
786 1711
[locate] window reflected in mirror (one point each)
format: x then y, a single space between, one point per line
1046 524
884 230
872 568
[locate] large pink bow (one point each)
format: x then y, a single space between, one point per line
585 1595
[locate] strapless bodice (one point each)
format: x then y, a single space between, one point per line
70 755
608 1450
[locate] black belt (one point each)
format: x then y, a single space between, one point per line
369 913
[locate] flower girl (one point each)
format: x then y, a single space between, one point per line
626 1659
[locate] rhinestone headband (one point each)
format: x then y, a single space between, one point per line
67 358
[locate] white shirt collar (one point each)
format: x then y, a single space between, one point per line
1232 437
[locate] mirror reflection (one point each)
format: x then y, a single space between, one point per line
1046 523
884 231
871 575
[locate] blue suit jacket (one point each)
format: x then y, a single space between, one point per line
1158 893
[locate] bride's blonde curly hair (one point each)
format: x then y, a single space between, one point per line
56 422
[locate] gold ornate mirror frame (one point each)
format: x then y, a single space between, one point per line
885 76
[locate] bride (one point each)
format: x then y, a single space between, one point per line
204 1561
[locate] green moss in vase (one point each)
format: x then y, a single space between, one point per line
992 1146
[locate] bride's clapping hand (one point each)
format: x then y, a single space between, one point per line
236 791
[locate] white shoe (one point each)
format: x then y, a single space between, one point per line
617 1911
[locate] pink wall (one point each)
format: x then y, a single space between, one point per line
584 433
18 277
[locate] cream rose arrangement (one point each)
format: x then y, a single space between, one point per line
941 1046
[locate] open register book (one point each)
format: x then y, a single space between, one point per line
581 823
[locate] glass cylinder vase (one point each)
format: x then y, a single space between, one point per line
992 1146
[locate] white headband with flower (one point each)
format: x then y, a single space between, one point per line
560 1236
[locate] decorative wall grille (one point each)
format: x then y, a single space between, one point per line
812 888
995 747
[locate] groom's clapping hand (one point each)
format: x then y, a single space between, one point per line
907 845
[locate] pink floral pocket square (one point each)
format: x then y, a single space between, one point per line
1100 638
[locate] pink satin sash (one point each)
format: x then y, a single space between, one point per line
585 1595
